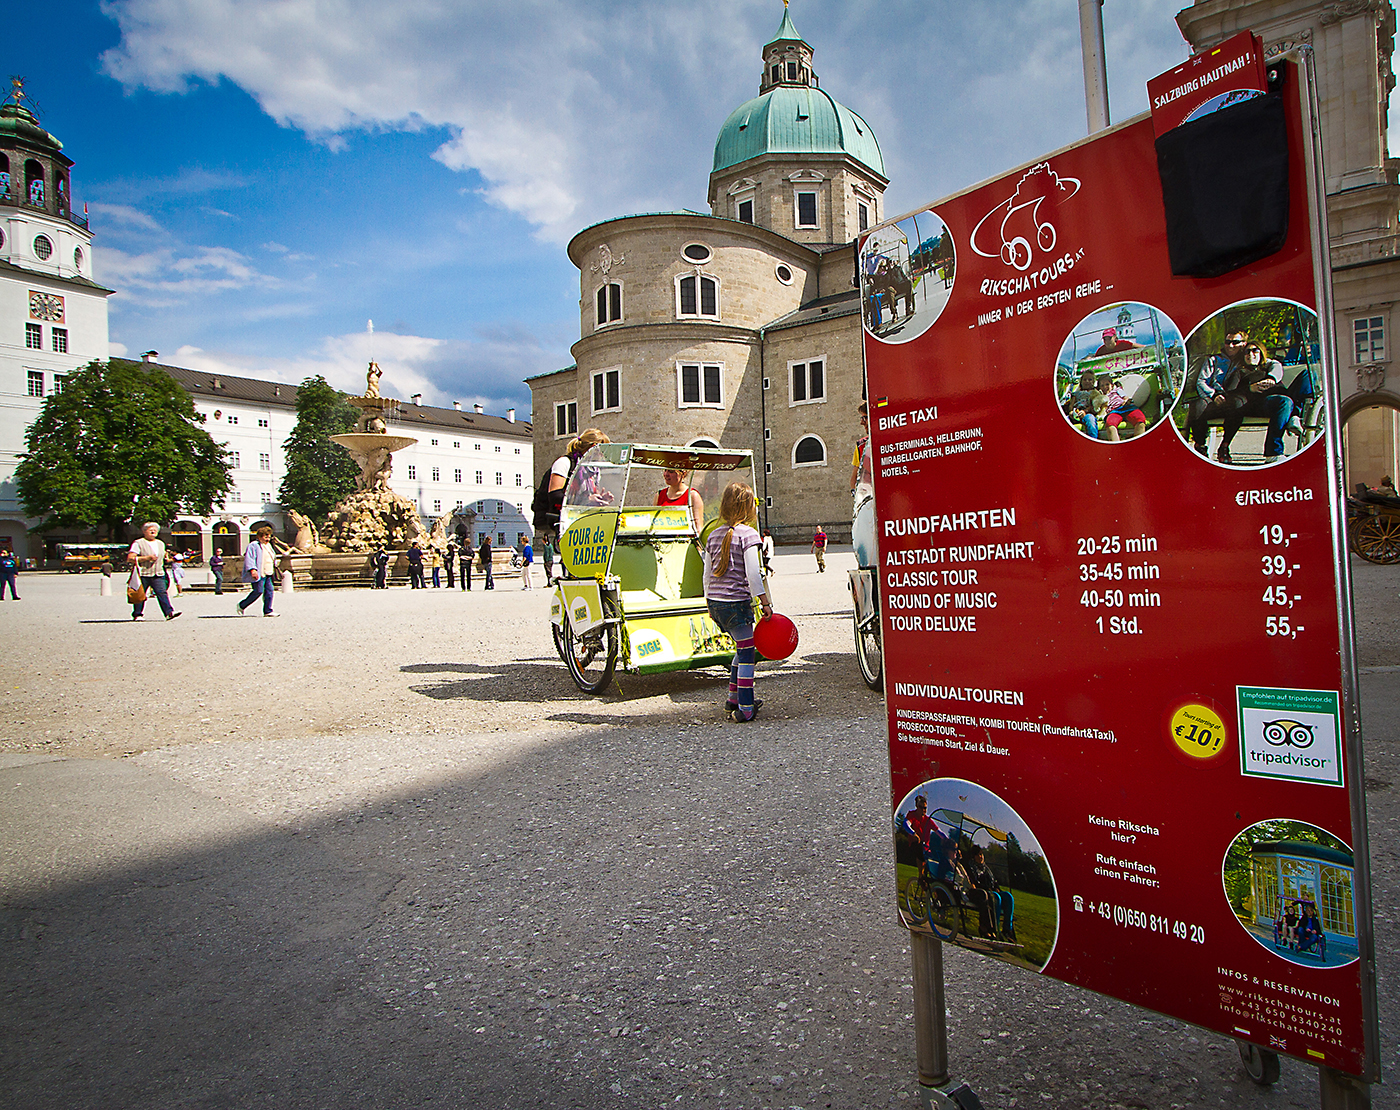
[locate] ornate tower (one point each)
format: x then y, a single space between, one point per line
794 159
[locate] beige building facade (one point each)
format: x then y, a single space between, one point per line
739 328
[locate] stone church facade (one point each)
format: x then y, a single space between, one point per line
740 328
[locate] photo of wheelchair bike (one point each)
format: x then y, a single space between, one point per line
944 897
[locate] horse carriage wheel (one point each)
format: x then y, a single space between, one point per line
1376 538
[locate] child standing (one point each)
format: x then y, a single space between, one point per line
733 579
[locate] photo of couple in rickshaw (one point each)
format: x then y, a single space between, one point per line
1290 884
1119 372
972 873
906 276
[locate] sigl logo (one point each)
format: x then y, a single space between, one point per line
1009 230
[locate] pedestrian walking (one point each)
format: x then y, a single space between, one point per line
819 548
464 563
733 579
415 567
257 570
147 559
435 560
177 572
449 563
216 568
548 555
9 571
486 560
381 569
767 552
527 561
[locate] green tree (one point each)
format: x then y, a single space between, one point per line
121 442
319 472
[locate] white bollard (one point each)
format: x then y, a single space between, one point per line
287 586
105 588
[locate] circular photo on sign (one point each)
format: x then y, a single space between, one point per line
1290 884
1119 372
1253 390
971 872
906 277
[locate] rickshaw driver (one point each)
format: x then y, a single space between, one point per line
937 847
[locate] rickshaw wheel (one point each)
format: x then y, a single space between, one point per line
916 895
944 916
1376 538
870 656
1260 1064
559 644
591 657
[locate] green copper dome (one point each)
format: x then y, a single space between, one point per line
796 120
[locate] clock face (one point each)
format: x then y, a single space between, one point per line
46 306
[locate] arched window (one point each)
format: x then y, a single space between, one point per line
34 182
703 442
184 536
697 295
609 303
226 539
4 175
809 451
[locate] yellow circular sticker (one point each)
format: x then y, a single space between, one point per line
1198 731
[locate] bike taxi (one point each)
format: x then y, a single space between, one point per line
633 590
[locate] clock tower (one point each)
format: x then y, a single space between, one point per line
53 315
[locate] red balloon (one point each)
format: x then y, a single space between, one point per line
775 638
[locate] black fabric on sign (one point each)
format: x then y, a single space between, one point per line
1225 187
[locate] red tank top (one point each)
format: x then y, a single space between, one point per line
663 497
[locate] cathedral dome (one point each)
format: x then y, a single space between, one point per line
791 120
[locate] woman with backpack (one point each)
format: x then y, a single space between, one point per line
549 497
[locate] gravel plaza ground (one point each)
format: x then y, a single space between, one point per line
381 853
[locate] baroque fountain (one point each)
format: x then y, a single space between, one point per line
372 517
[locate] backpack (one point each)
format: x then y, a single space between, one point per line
545 507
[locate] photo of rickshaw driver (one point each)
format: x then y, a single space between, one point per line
939 850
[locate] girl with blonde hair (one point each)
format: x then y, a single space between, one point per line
548 521
733 579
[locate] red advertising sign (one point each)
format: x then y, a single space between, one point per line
1207 82
1114 609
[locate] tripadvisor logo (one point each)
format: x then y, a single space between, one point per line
1290 734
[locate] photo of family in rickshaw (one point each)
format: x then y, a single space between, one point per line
970 872
1291 887
1119 372
1252 395
906 277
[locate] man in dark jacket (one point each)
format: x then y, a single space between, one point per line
486 560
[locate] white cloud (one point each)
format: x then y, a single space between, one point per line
125 214
486 370
573 112
160 276
116 350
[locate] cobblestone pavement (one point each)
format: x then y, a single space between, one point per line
381 853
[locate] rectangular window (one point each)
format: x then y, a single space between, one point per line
609 303
501 539
566 418
806 209
434 443
456 443
607 390
498 448
519 479
700 385
746 211
437 506
1370 338
457 476
776 73
862 216
233 420
264 462
436 474
476 447
792 71
237 461
517 450
478 477
262 423
499 482
236 495
768 468
500 508
34 337
412 473
60 340
36 383
58 380
808 381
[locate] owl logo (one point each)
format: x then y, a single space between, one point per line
1289 734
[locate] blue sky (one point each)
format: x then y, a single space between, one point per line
266 175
